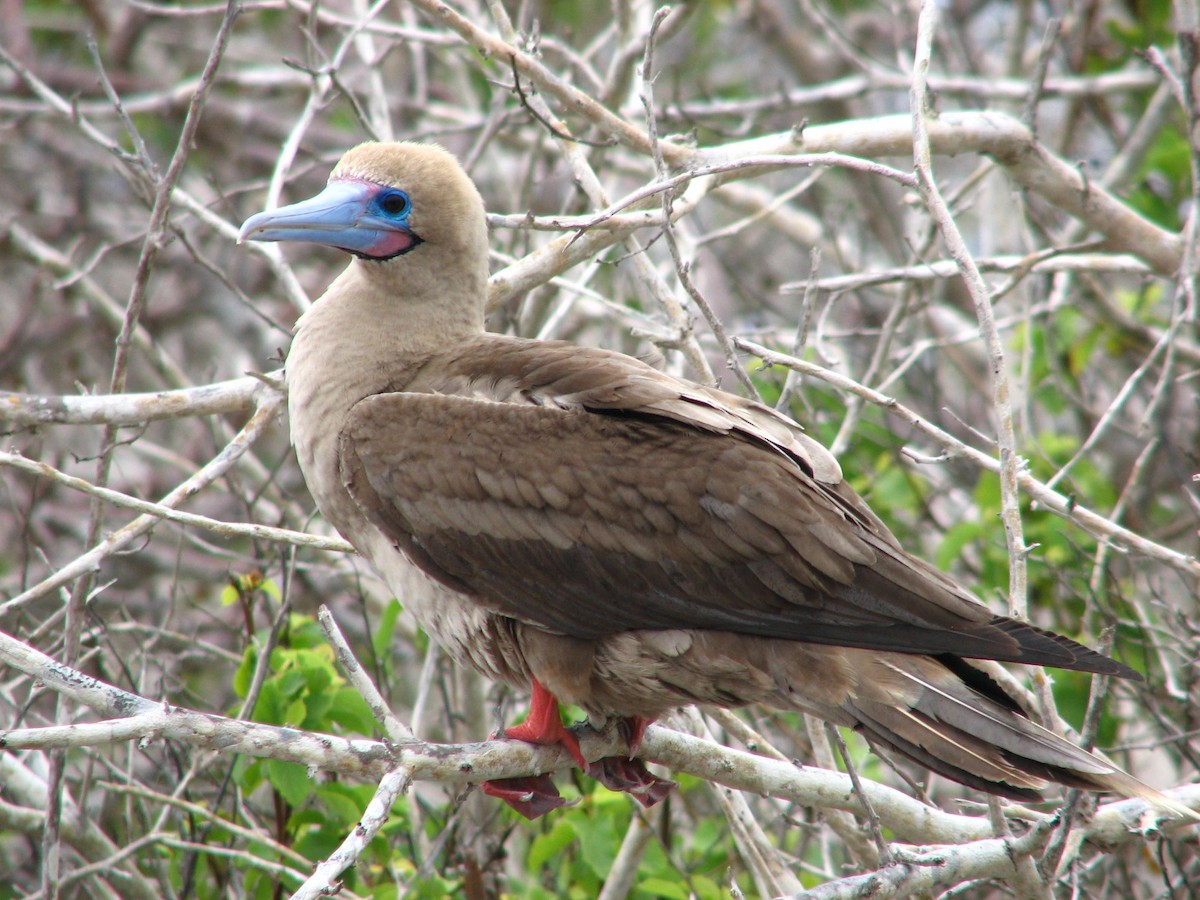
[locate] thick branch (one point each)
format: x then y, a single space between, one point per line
239 396
992 134
138 718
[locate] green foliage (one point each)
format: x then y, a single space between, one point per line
1163 183
890 485
1164 179
1148 25
1071 693
766 381
304 690
575 852
1059 547
385 630
241 587
871 463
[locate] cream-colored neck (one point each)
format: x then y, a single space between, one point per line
372 331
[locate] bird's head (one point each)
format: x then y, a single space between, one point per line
383 201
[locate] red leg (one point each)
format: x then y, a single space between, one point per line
544 725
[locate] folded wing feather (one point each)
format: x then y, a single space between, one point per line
602 497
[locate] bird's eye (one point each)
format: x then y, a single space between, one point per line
394 203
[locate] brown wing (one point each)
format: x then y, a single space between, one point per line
591 523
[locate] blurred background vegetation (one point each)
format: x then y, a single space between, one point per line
1103 354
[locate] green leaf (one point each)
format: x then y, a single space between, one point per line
249 773
317 842
957 538
296 713
386 630
660 887
550 844
434 888
318 669
351 712
270 705
291 780
319 707
707 889
1081 350
306 633
245 672
281 658
599 841
340 804
290 682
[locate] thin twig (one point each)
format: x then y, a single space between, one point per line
1057 503
396 731
1011 464
873 823
323 881
161 511
215 468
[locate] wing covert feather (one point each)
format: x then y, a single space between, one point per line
557 373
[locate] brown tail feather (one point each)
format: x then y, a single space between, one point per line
953 729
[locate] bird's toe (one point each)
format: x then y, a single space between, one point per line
532 796
630 776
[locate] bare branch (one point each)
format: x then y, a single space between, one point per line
1051 500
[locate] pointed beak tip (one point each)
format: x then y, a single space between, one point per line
251 225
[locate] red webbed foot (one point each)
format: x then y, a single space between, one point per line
535 795
630 776
532 796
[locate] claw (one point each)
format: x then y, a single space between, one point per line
633 730
535 795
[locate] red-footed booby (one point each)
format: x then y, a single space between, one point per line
614 537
